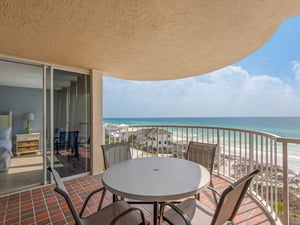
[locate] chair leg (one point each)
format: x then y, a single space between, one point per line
214 194
197 196
101 200
115 198
56 147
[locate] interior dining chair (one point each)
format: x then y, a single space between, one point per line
72 144
193 212
117 213
115 153
204 154
60 141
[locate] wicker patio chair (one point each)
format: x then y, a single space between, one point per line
204 154
117 213
193 212
115 153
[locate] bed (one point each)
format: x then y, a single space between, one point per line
5 141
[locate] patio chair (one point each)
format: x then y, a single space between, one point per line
117 213
73 143
193 212
204 154
115 153
60 141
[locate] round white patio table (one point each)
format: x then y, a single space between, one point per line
156 179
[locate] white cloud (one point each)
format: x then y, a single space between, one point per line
296 69
231 91
265 85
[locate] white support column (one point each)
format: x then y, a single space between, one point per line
97 163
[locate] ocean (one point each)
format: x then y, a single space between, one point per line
281 126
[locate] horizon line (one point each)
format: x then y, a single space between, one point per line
165 117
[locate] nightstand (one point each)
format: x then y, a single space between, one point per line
27 143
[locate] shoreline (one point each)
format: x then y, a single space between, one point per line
293 160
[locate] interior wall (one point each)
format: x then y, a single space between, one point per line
20 101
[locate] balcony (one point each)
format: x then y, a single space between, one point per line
269 201
44 206
240 151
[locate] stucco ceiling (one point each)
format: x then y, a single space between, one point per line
140 39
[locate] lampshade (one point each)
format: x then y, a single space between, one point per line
29 116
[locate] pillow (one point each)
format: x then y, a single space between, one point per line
4 133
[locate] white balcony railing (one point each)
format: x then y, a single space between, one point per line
240 151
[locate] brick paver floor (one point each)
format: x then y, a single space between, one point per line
44 206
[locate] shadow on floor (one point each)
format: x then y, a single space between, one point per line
26 171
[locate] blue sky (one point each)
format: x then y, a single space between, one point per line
266 83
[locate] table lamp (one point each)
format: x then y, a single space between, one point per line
29 117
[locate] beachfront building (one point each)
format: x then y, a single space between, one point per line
53 56
152 138
116 132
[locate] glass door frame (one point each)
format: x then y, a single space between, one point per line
44 67
52 68
49 67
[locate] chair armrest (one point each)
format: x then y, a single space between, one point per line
127 212
214 190
182 214
215 193
88 198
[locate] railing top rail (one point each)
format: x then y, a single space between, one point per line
262 133
289 140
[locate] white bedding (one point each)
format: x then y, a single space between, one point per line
5 146
5 154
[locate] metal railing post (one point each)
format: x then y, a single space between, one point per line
286 202
187 137
251 149
218 152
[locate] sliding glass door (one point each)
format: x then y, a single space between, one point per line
71 122
21 90
50 111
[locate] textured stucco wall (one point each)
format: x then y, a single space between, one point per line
144 39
